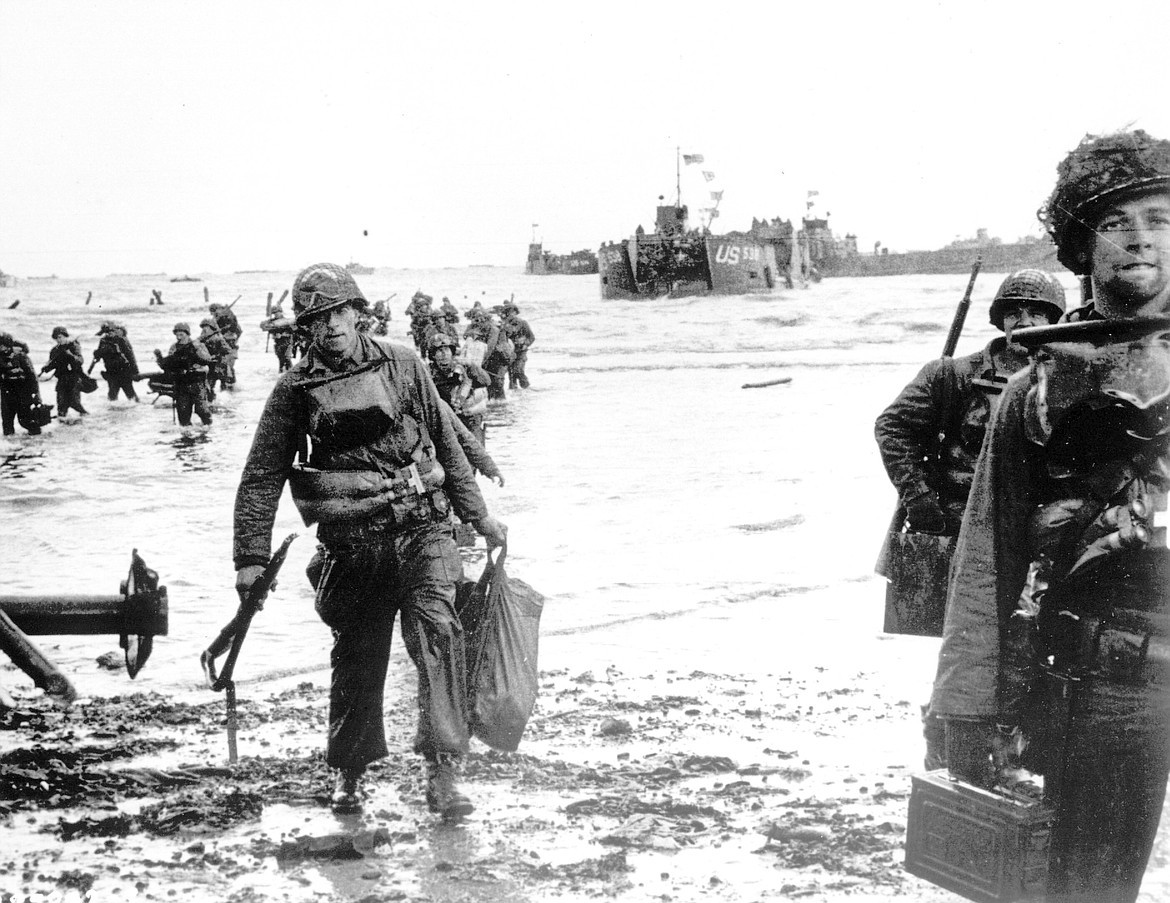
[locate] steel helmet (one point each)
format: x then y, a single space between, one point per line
1099 169
208 321
1028 287
440 340
322 287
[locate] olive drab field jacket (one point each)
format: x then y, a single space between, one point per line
403 409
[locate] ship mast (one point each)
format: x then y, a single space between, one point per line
677 178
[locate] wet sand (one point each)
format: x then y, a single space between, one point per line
655 767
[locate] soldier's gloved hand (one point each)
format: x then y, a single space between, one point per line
925 514
498 479
494 531
245 577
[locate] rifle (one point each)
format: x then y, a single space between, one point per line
961 312
233 635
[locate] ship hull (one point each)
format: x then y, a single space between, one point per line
650 266
544 263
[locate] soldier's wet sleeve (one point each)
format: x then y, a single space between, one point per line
269 462
459 483
989 569
477 455
479 376
907 430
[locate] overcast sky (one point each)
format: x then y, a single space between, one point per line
204 136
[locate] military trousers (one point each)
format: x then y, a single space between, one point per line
69 395
1112 788
363 584
517 378
192 396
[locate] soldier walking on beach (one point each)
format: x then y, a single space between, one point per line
522 337
187 364
67 364
929 438
1057 624
117 356
18 386
353 403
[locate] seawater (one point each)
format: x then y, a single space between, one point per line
642 479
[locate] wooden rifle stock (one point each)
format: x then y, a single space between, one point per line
961 312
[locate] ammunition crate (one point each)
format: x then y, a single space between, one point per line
985 846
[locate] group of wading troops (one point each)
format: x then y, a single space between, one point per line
1031 530
189 372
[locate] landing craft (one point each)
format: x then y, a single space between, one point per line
676 261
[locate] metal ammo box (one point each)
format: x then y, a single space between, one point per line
985 846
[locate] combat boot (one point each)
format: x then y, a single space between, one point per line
443 794
347 796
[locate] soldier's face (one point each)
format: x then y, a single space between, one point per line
1022 316
335 332
1131 249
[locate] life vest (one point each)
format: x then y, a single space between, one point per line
361 433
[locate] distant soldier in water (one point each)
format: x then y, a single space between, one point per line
419 311
449 311
462 384
929 438
67 364
229 327
221 355
487 333
282 330
18 386
522 338
117 356
186 364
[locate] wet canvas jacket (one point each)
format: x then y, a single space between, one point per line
982 671
116 354
520 333
16 369
990 564
286 420
185 362
448 383
941 401
65 361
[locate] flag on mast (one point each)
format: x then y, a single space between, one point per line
692 158
708 175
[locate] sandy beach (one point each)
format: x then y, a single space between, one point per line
655 767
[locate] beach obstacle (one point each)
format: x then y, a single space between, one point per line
137 615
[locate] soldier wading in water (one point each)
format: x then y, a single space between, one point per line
380 470
1058 620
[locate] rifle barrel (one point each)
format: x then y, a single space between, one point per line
960 317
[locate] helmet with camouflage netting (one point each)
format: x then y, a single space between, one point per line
1097 170
322 287
1028 287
